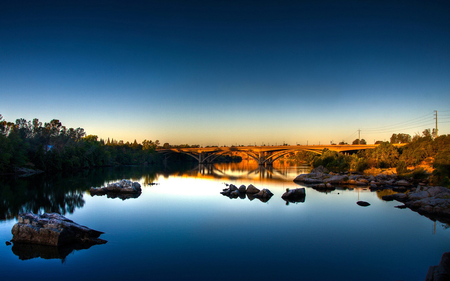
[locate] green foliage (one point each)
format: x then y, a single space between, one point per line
357 141
383 156
53 147
333 161
358 164
419 174
400 138
401 168
441 174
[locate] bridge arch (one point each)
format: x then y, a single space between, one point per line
263 155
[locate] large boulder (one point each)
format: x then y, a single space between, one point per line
52 229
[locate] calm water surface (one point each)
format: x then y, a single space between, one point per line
182 228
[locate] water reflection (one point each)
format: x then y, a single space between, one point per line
60 193
31 251
39 194
248 170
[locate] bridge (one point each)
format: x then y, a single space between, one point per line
264 155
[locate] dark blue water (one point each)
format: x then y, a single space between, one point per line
184 229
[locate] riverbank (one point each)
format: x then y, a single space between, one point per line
319 178
416 194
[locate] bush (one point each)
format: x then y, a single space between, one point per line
401 168
419 174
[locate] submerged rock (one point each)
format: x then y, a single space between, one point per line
52 229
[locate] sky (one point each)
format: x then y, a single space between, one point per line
228 72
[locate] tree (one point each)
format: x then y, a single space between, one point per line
400 138
90 138
383 156
427 133
357 141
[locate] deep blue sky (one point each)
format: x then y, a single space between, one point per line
227 72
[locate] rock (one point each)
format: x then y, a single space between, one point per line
309 178
121 187
335 179
440 272
242 189
7 243
402 183
321 169
225 192
235 193
295 195
400 207
363 203
418 196
363 182
251 189
438 191
398 196
52 229
351 182
232 187
265 193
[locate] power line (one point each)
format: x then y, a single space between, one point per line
406 127
414 120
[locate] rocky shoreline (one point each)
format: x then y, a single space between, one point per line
431 201
319 178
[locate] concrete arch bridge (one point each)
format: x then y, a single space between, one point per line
264 155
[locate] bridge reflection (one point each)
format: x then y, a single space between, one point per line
248 171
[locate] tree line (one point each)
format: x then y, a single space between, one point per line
54 147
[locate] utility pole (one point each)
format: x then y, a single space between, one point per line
359 136
435 129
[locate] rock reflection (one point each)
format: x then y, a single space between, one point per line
31 251
122 196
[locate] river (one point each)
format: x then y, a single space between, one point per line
182 228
